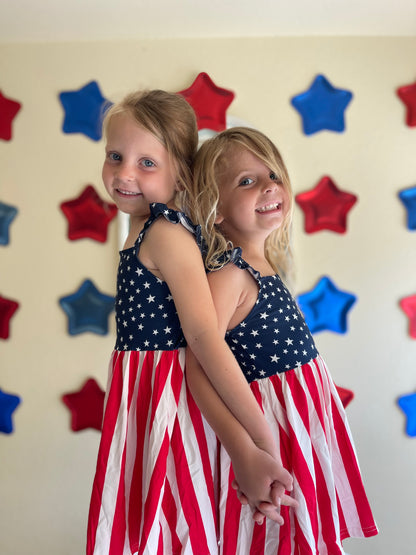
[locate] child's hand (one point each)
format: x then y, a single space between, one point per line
267 510
261 481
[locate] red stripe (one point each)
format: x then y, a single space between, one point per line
199 428
189 501
231 518
351 467
136 487
329 534
258 539
156 484
160 548
118 530
299 465
109 423
171 515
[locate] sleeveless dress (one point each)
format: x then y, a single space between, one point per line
290 381
153 491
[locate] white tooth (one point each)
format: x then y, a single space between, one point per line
268 207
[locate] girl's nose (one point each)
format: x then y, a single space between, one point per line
125 172
269 186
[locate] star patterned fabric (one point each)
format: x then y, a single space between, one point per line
143 298
274 337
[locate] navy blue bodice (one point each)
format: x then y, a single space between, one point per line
146 316
274 337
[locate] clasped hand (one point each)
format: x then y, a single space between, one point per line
261 482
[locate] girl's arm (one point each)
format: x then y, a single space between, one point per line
257 474
172 251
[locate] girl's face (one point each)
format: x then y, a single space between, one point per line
137 170
253 202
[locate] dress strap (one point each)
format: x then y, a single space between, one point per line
235 257
158 209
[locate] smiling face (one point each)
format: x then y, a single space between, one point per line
137 169
253 201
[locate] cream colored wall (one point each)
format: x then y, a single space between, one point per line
46 470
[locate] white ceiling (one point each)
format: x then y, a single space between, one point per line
71 20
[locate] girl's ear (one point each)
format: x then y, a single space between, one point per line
218 218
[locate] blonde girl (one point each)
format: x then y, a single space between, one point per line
154 490
243 201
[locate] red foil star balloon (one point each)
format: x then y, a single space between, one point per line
7 309
86 406
407 95
326 207
209 102
88 216
346 395
8 111
408 305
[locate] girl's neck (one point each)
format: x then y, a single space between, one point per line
253 253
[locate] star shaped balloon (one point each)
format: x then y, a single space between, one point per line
322 106
8 111
8 404
88 215
408 305
408 405
407 95
326 207
346 395
86 406
87 309
408 198
326 307
7 215
209 102
7 309
84 110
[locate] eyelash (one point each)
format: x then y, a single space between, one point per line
114 156
246 179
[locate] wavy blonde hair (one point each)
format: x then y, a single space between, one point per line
171 119
202 202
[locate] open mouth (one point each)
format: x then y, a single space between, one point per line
269 207
127 193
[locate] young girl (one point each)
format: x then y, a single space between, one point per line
244 208
154 490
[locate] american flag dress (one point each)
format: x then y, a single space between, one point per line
290 381
153 491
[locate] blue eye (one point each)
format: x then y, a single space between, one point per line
148 163
273 176
114 156
246 181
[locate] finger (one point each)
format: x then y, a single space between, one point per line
289 501
258 517
277 490
270 511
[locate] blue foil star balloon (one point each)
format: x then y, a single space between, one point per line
84 110
408 405
408 198
322 106
8 404
87 309
325 307
7 215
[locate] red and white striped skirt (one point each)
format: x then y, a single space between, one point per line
153 491
308 420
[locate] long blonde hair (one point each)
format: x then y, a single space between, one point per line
171 119
202 202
